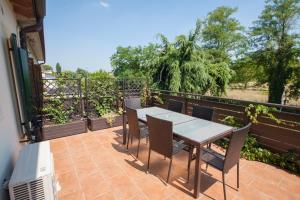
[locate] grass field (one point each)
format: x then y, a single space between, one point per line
253 95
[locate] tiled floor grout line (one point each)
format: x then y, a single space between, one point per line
255 182
68 155
122 146
77 177
152 175
113 176
91 157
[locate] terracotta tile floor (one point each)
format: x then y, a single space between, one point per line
95 165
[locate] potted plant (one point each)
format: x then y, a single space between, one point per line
104 115
61 112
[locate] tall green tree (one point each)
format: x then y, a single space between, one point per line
135 61
46 67
246 70
223 34
171 71
187 46
167 75
82 72
100 74
69 74
58 68
179 66
276 45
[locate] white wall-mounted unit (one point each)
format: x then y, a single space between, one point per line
33 177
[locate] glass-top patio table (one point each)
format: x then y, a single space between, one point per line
194 131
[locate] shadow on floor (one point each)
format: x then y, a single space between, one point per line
159 166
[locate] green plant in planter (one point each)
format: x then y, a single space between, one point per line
105 109
110 118
120 111
56 111
60 107
103 106
146 96
102 95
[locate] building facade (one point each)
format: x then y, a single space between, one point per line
23 19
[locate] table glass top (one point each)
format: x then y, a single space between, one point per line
192 128
200 130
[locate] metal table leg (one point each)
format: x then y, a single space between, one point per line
197 172
124 129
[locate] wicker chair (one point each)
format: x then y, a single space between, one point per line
232 155
203 112
134 103
161 140
134 129
175 106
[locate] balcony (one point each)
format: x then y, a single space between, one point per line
96 165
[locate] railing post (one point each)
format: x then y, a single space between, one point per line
124 114
185 103
86 95
80 96
117 93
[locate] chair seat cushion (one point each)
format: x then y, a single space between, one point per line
213 158
141 124
144 132
178 146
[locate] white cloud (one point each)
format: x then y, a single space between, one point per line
104 3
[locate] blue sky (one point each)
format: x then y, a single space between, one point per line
85 33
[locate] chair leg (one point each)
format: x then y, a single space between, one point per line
189 161
170 165
238 175
131 139
148 165
125 133
128 140
209 145
224 190
138 148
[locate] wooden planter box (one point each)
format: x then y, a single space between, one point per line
100 123
62 130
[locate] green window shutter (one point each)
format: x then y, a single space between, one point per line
20 58
26 83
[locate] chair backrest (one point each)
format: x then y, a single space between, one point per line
133 103
236 144
203 112
175 106
160 135
133 122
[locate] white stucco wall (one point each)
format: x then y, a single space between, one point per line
9 128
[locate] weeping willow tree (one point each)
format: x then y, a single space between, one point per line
183 66
180 66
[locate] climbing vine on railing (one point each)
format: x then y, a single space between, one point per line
253 111
61 100
101 96
56 112
253 151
